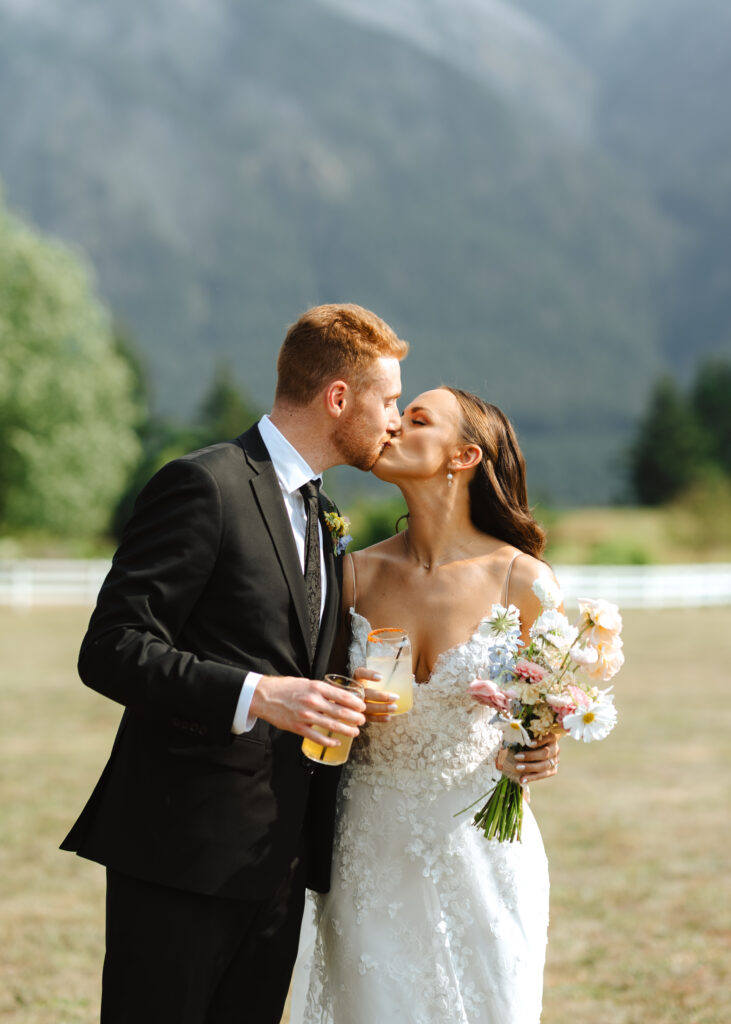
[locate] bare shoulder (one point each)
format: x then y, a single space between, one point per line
526 570
375 557
369 561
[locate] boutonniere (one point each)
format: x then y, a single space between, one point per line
338 526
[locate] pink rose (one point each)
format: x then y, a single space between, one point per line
581 699
530 671
486 692
562 713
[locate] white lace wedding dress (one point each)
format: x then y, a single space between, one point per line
427 922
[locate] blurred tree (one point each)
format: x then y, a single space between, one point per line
670 451
162 441
374 521
225 412
125 345
711 400
68 410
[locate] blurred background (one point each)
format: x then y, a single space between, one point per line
537 195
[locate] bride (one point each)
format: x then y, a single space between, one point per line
428 922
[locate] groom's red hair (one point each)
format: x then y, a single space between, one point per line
329 343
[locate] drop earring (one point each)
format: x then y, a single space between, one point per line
450 478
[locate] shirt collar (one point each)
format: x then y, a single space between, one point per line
291 469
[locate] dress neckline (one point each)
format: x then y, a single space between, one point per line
442 654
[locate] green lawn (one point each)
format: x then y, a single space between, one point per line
684 532
635 829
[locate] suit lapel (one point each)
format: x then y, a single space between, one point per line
268 495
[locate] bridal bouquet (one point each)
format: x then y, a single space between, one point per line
548 687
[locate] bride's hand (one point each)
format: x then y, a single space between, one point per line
526 766
379 703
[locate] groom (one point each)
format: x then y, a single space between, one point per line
214 628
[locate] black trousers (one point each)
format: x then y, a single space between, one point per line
177 957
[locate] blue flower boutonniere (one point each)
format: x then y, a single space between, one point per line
338 526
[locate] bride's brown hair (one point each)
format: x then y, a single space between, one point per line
498 495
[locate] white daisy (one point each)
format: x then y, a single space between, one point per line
514 732
593 722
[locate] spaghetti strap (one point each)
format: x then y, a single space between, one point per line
507 577
352 567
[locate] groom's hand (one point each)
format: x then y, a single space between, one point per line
298 705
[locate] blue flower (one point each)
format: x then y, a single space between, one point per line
338 527
341 544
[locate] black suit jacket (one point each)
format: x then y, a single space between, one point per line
206 586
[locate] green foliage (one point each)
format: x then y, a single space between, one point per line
711 400
701 516
225 412
670 449
683 444
618 552
68 411
374 521
161 441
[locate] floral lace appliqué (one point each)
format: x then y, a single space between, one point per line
427 921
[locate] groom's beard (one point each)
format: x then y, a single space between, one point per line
356 445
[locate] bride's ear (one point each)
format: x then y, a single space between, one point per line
466 458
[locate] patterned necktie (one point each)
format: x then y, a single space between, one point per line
313 584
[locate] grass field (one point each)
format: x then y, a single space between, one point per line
683 532
696 528
635 828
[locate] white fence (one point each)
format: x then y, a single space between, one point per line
48 581
25 584
648 586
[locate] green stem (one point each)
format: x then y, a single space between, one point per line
565 663
470 806
501 817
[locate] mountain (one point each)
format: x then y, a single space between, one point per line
456 165
499 46
663 81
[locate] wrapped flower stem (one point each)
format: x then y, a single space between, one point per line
501 817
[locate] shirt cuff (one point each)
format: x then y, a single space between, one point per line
243 721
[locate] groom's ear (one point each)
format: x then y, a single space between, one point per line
336 397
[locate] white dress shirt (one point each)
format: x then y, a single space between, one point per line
292 472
